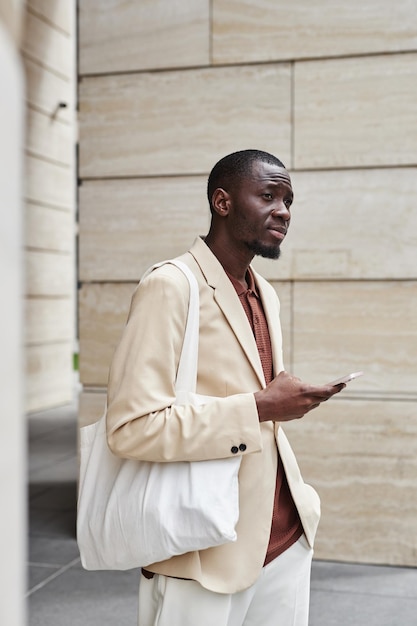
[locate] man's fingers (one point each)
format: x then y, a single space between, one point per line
324 393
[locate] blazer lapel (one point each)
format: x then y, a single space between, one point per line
229 303
271 307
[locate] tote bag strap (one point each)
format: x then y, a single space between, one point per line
186 380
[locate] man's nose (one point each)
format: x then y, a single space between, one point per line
281 210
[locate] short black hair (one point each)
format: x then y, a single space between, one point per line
235 166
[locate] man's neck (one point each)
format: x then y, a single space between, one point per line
234 264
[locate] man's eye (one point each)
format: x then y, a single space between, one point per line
288 203
268 196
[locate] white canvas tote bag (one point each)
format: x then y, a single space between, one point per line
135 513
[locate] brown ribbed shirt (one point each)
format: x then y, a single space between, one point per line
286 526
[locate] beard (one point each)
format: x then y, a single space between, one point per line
263 250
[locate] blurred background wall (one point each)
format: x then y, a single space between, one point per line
49 57
166 88
37 250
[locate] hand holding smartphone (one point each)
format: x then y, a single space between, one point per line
346 379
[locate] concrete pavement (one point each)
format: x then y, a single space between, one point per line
61 593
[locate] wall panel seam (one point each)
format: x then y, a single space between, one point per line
88 179
183 68
292 325
121 281
41 205
288 61
49 114
42 157
357 55
52 342
46 21
293 281
49 251
45 66
292 115
211 17
400 396
347 168
49 205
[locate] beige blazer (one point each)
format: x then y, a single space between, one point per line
143 423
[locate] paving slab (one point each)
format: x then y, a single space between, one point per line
334 608
380 580
81 598
55 551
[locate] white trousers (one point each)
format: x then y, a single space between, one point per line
279 597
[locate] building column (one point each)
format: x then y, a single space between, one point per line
12 422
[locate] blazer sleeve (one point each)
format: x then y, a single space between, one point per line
142 420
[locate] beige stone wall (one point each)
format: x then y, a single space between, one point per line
48 51
166 89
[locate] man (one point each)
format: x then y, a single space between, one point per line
264 577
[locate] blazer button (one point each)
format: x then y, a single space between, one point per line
242 447
234 449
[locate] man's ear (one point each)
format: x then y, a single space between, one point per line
221 202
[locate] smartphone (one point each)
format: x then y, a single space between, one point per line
346 379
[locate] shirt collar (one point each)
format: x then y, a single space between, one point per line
240 290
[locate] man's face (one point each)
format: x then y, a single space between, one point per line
259 214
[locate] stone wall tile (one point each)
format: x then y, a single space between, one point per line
342 327
355 112
268 31
155 219
150 34
181 122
